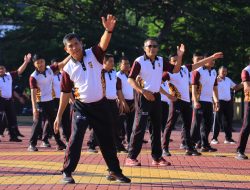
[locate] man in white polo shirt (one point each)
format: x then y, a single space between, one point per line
204 92
41 85
179 88
150 67
83 72
113 93
225 85
7 110
197 56
127 101
245 130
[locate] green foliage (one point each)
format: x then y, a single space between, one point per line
206 25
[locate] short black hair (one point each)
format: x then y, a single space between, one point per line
53 60
69 37
36 57
172 55
197 53
123 58
151 39
222 67
107 56
1 66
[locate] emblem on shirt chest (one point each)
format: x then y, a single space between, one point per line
90 64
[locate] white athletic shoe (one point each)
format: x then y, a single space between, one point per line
229 141
214 141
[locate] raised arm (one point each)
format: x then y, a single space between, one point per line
109 25
26 60
180 52
63 62
207 59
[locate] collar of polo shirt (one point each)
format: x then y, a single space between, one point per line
146 57
38 72
4 75
204 68
222 78
123 73
104 70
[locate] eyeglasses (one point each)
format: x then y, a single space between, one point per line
152 46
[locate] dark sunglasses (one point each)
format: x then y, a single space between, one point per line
152 46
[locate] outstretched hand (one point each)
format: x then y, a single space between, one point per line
27 58
218 55
109 22
180 50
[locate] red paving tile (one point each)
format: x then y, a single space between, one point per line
212 164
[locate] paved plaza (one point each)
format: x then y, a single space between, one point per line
20 169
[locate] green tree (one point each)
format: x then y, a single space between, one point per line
217 25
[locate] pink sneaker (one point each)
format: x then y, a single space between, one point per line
132 162
160 162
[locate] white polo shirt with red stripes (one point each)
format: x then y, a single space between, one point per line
86 80
206 79
43 82
179 83
111 84
127 90
151 72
